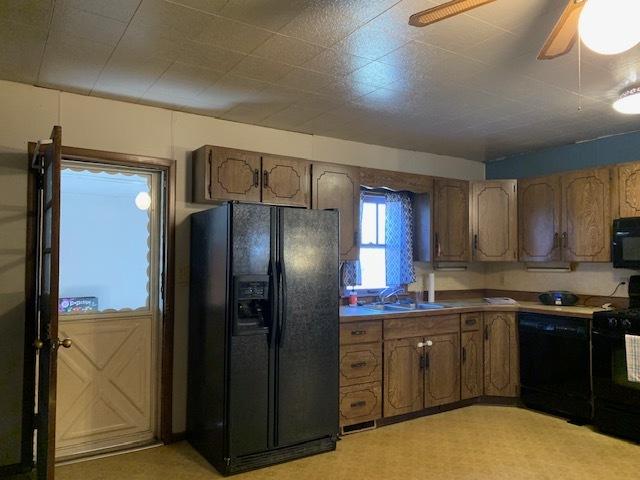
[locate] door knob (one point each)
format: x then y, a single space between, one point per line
66 343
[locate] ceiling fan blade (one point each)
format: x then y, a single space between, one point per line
565 32
446 10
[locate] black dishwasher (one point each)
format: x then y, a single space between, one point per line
555 369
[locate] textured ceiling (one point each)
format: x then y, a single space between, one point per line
468 86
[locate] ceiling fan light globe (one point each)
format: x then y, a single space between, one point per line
609 27
629 101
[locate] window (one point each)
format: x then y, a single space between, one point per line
372 249
104 239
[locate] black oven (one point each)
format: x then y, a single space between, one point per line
625 247
616 399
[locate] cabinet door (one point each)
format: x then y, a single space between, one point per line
285 181
403 376
451 221
539 204
338 186
226 174
494 220
501 368
442 372
471 376
628 190
586 215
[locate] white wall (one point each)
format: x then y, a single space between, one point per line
28 113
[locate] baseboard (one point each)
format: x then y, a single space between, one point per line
177 437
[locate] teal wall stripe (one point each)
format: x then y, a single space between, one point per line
603 151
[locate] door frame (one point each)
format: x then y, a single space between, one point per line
168 169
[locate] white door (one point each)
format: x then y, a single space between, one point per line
109 307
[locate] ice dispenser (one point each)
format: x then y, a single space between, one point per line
251 304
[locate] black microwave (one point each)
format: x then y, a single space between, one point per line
625 247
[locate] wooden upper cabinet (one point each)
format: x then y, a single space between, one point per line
494 220
442 372
451 220
225 174
501 358
285 180
627 187
586 215
338 186
403 376
539 219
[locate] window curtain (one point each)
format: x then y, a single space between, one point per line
399 238
351 274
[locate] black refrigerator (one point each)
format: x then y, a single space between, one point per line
264 334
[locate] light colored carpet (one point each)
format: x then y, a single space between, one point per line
475 443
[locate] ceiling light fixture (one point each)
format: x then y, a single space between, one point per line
610 27
629 101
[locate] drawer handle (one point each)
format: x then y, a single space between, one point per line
358 332
358 364
361 403
470 321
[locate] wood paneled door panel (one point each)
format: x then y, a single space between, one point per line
403 376
285 181
106 385
360 363
471 365
226 174
451 220
338 187
442 372
539 219
586 214
494 220
628 190
360 403
501 364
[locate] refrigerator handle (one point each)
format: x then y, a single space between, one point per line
273 283
283 307
273 312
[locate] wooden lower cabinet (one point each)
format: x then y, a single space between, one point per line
403 376
360 372
360 403
471 383
501 362
442 370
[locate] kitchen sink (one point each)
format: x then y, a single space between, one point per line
407 307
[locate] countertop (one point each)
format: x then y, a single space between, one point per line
356 314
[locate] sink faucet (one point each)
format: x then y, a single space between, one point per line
389 292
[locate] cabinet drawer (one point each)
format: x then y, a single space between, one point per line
360 363
361 332
421 326
471 322
360 403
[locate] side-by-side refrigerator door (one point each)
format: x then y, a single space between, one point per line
252 244
308 334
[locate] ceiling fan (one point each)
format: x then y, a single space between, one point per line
606 26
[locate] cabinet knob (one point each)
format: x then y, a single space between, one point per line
428 343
